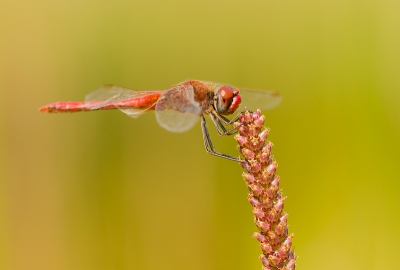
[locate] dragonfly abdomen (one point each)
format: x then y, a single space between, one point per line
68 106
145 102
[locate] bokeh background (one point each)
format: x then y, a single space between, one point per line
103 191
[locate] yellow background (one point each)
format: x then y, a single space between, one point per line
102 191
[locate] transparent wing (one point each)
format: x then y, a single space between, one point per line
176 109
259 99
131 102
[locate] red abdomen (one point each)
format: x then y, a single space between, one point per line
142 102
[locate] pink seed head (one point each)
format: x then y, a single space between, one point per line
264 260
267 202
268 147
284 217
272 168
279 205
267 268
255 166
288 241
253 201
281 228
275 182
274 260
259 213
272 215
263 157
246 166
283 252
260 121
243 130
262 226
246 117
249 178
256 114
253 131
263 135
242 141
271 192
247 153
255 189
273 237
266 248
260 237
291 265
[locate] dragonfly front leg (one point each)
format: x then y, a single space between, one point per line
220 122
221 129
208 144
225 120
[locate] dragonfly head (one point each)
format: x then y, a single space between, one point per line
227 100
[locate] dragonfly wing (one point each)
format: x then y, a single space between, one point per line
120 97
259 99
134 113
176 109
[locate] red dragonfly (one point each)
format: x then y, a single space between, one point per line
179 107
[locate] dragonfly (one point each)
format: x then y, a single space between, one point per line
179 107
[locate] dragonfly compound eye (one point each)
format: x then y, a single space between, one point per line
224 98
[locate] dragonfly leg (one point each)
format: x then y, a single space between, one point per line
208 144
221 129
220 122
225 120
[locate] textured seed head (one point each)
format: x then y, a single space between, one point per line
253 131
267 268
273 238
283 252
275 182
255 166
266 248
267 202
243 131
271 192
264 260
284 217
291 265
265 195
260 237
274 260
267 148
271 169
279 205
263 135
253 201
255 143
256 190
263 157
262 226
249 178
246 117
247 153
246 166
259 213
272 215
242 141
259 122
281 228
288 240
256 114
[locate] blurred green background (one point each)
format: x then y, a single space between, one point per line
103 191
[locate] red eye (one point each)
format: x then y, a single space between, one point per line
237 99
226 92
224 98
